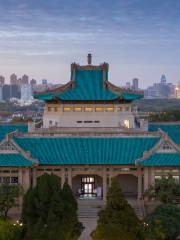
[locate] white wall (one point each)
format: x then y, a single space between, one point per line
72 118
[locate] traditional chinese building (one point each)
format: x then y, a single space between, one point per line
90 134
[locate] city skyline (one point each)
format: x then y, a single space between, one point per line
137 38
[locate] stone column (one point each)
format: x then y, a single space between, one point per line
104 184
110 176
26 179
146 178
63 176
139 184
34 176
70 177
152 176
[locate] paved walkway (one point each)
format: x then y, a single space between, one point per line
90 225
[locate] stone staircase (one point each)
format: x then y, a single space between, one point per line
89 208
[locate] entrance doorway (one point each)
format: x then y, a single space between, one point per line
87 186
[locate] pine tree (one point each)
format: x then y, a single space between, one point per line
49 212
118 220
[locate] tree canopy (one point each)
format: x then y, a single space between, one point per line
165 190
118 219
164 223
50 212
8 196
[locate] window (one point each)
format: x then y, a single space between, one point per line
166 147
96 121
50 123
14 179
109 109
67 109
99 109
126 123
126 109
55 109
87 121
49 109
79 121
88 180
88 109
6 179
14 171
77 109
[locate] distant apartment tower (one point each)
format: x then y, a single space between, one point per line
6 92
33 82
163 79
128 85
26 92
2 80
1 93
44 82
24 79
135 83
15 91
13 79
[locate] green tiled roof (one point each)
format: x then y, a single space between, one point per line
173 130
162 159
14 160
88 87
57 151
4 129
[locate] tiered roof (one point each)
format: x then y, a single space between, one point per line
89 83
87 150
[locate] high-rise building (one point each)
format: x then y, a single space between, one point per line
128 85
163 79
1 93
25 79
15 91
2 80
33 82
44 82
13 79
135 82
161 90
6 92
26 92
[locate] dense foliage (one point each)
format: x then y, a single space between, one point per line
163 223
8 196
49 212
10 231
165 190
118 219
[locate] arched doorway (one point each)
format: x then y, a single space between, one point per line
87 186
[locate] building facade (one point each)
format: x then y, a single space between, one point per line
88 137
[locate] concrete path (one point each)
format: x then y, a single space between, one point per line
90 225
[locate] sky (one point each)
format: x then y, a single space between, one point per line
138 38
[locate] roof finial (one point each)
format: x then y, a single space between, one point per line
89 59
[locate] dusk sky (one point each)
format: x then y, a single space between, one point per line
138 38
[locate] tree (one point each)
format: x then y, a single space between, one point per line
165 190
8 196
49 212
118 219
10 231
164 223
